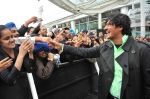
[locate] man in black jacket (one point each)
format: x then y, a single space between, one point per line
124 63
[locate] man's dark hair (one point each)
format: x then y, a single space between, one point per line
85 31
66 28
121 20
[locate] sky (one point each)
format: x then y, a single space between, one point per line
18 11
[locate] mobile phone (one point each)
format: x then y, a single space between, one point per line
19 40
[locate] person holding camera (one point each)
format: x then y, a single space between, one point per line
13 80
124 63
23 29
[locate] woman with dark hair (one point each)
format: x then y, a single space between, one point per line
13 80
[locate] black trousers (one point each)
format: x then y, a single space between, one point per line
111 97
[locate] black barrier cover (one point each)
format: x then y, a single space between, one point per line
76 80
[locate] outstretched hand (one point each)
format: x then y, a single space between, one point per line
51 42
55 45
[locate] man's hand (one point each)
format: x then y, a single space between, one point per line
50 42
50 56
55 45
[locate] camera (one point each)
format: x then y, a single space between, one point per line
39 20
19 40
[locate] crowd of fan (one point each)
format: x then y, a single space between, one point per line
84 38
47 57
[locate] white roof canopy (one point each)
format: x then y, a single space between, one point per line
88 6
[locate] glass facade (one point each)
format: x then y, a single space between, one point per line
78 2
87 23
107 14
91 22
135 15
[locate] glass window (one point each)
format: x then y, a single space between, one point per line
109 13
129 7
64 25
133 28
93 25
148 31
82 20
137 20
59 25
137 5
77 21
77 28
148 28
93 18
83 26
79 1
54 26
148 1
138 28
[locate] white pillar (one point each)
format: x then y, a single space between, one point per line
32 86
99 20
40 9
72 25
133 5
57 26
124 10
142 2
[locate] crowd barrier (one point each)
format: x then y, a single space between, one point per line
74 80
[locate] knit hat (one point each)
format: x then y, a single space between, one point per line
41 46
11 25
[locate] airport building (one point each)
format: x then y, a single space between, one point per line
91 14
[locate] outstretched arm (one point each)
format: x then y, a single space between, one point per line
83 52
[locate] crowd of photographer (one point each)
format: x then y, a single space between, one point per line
27 49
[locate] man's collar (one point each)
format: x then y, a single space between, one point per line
126 46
